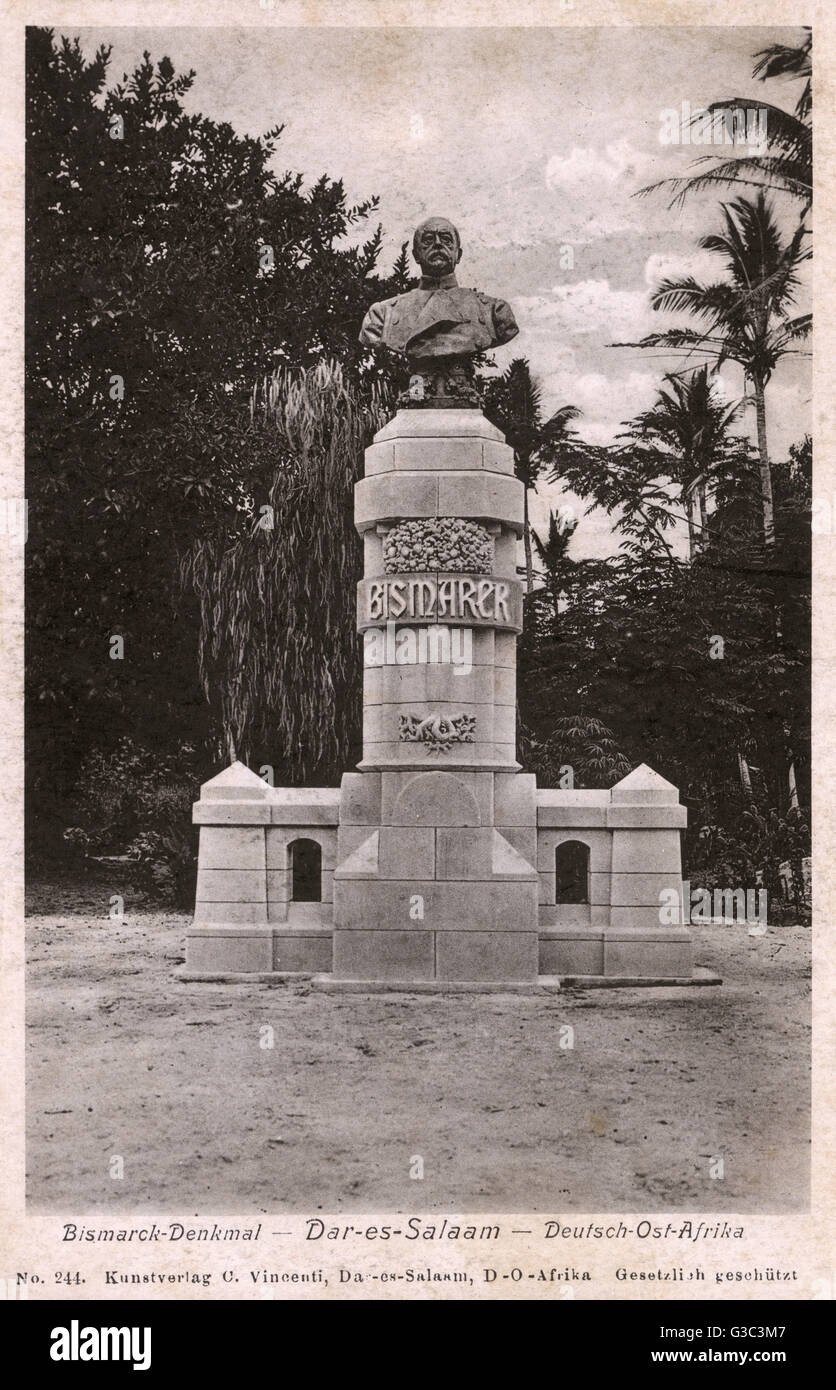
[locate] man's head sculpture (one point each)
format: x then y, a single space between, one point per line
440 326
437 247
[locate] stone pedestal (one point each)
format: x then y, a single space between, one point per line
437 863
428 886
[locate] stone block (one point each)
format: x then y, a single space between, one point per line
486 496
505 724
435 683
505 649
643 786
497 457
440 424
438 454
483 645
295 950
308 916
524 840
646 917
387 755
663 955
228 914
379 458
447 905
278 885
547 889
563 810
231 886
360 798
305 806
248 952
464 853
497 955
504 685
572 915
505 554
372 552
235 783
362 862
231 813
508 863
407 852
514 802
375 905
383 955
231 847
437 798
647 817
474 906
643 890
572 953
646 851
349 839
599 889
395 497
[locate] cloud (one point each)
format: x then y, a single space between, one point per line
605 401
586 169
705 266
588 308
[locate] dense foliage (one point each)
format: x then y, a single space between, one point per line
197 408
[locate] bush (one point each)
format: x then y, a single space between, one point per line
137 801
165 865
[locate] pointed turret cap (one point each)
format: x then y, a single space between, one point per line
235 783
643 787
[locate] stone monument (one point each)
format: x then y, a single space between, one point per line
438 864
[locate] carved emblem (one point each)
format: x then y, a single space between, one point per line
437 731
448 543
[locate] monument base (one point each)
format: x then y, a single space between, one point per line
429 882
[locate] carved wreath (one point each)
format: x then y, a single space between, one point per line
437 731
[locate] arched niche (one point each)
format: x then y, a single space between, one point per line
571 872
305 860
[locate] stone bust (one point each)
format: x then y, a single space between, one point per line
440 325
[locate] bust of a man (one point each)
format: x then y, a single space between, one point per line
440 325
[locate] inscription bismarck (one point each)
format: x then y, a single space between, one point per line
437 599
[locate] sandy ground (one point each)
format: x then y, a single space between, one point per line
125 1060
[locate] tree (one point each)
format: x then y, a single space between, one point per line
787 163
168 268
512 403
402 276
684 440
553 554
278 646
746 314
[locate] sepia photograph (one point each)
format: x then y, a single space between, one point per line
416 557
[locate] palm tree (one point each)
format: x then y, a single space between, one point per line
746 314
687 431
553 554
512 403
787 163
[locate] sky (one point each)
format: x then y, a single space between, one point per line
534 142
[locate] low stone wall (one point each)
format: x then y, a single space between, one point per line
247 921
